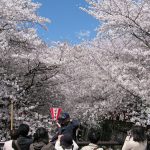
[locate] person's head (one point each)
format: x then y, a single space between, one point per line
41 134
14 134
66 141
64 118
23 130
93 136
138 133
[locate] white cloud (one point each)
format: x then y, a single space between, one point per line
82 35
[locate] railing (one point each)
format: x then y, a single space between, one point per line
107 143
104 144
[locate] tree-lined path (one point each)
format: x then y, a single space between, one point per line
106 77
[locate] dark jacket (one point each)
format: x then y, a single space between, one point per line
23 142
70 128
41 146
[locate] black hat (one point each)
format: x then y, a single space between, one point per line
64 116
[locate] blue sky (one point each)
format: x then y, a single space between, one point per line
68 22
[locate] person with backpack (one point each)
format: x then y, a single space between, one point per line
41 140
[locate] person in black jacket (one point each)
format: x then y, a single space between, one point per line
66 126
23 141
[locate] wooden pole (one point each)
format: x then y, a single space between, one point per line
11 115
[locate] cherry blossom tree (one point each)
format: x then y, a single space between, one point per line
110 72
95 78
27 66
17 29
25 76
123 38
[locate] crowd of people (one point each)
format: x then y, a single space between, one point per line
65 138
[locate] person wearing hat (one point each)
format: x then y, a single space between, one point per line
65 142
66 126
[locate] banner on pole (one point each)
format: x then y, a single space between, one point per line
55 112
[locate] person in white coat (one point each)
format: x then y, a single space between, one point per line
136 140
8 144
